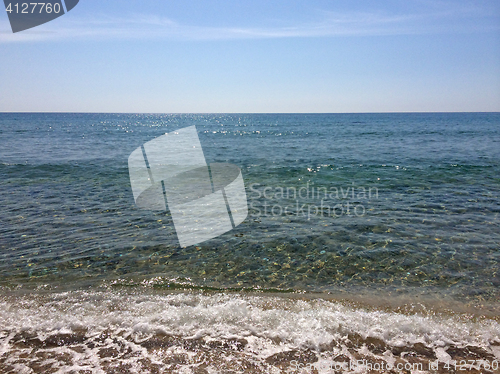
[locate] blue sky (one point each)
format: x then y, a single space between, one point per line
206 56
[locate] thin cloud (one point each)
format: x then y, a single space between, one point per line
329 24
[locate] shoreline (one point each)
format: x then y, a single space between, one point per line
153 330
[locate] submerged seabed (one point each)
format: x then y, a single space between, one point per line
389 254
138 331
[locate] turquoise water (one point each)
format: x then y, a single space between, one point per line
372 233
423 194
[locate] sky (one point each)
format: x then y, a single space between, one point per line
256 56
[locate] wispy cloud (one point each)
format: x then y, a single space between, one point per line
440 18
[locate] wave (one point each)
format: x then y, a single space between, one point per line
143 332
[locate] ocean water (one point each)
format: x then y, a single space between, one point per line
369 237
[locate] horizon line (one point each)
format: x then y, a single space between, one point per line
177 113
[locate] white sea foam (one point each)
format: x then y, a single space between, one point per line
268 325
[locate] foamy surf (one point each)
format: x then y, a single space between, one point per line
116 331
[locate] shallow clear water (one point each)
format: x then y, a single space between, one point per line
422 191
363 207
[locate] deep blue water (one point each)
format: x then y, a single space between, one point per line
424 217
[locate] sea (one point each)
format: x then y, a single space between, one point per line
371 245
